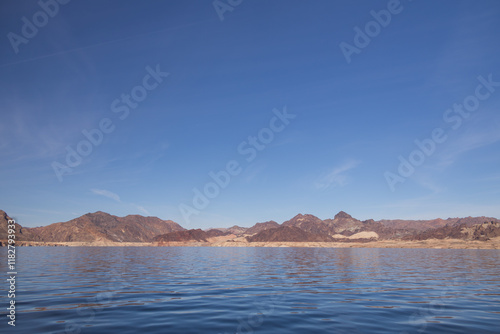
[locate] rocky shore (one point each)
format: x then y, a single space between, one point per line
303 230
493 243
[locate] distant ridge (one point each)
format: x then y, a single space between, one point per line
233 229
186 235
259 227
101 226
288 234
422 225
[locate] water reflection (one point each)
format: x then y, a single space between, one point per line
263 290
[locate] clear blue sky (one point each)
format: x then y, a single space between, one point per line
352 119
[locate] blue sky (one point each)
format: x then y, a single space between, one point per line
348 121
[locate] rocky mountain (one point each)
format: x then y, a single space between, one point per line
261 227
103 226
216 233
186 235
344 224
414 225
22 234
484 231
422 225
190 235
288 234
469 221
236 230
480 232
308 223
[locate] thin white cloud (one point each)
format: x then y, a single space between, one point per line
141 208
106 193
425 181
470 140
253 171
337 176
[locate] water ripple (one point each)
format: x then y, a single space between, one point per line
256 290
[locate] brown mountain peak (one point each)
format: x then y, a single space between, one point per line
258 227
97 214
307 217
288 234
342 214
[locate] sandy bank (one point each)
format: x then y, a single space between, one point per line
241 242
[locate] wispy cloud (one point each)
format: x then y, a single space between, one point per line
426 181
141 208
106 193
337 176
253 171
472 139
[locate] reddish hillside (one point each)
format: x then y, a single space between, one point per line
216 233
481 232
103 226
287 234
186 235
422 225
236 230
308 223
22 234
259 227
344 224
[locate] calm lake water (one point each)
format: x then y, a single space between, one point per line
253 290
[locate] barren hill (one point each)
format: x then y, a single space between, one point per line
261 227
22 233
422 225
186 235
289 234
103 226
481 232
308 223
236 230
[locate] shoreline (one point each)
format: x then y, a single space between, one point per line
494 243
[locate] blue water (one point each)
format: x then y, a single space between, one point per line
253 290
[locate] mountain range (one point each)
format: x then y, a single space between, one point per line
95 226
101 226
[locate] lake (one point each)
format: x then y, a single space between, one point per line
253 290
